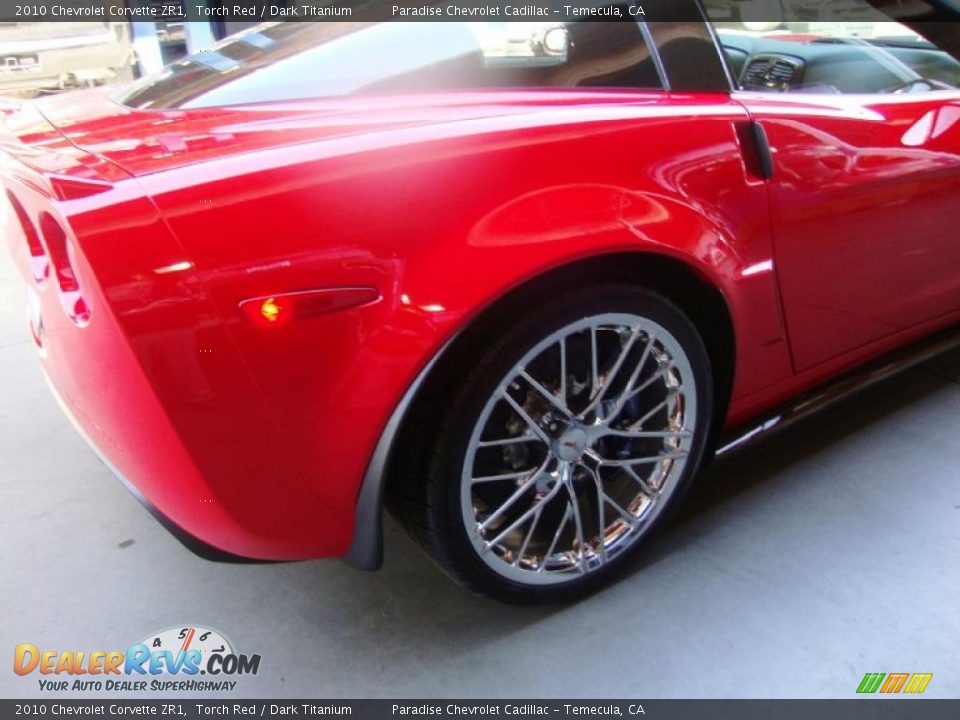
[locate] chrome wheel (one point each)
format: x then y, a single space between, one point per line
579 449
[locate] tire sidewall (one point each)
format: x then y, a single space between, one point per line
475 389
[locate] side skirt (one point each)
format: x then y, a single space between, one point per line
825 395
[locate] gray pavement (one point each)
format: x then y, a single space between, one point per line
827 552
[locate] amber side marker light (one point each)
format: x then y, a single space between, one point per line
279 309
271 310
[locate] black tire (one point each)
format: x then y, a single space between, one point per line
425 490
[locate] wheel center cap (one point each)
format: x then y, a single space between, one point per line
571 445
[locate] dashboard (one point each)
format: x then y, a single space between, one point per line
811 64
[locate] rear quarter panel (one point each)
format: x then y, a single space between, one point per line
444 215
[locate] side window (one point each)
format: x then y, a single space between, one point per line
292 61
837 48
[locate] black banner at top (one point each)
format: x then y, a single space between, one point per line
343 10
473 10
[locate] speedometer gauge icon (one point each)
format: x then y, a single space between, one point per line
185 638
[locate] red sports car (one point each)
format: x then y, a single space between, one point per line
512 281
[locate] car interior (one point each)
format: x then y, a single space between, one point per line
806 63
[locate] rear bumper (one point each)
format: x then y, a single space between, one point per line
144 366
194 544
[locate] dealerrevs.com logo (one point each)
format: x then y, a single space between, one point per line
171 660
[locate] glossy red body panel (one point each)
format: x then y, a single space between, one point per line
255 438
867 189
142 378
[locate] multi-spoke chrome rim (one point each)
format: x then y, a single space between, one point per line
579 448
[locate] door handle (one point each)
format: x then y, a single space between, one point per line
761 145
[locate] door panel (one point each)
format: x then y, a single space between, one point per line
865 203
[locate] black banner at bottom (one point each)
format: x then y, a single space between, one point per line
854 709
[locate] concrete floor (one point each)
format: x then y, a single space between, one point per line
827 552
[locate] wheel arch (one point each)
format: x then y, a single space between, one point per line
703 301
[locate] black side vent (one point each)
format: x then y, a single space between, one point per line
772 73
